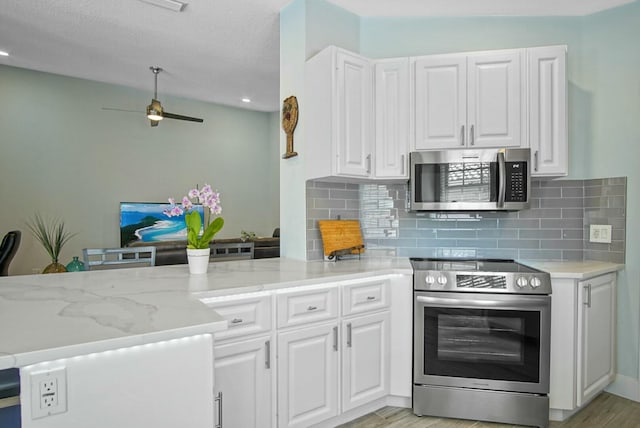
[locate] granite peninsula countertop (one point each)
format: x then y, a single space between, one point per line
46 317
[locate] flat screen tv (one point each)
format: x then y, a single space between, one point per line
146 222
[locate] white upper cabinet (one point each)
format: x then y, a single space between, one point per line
439 96
391 91
338 114
468 100
495 99
548 110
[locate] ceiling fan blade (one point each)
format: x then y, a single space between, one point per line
121 109
168 115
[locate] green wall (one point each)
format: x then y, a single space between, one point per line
63 156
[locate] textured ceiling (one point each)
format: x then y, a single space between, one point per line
215 50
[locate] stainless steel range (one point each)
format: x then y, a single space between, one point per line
481 340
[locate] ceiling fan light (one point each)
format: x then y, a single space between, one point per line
154 110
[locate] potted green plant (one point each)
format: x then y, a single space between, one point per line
198 250
52 235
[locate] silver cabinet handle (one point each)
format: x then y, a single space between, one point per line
472 137
312 308
236 321
335 338
369 164
535 161
218 399
371 297
462 135
349 335
587 290
267 354
402 166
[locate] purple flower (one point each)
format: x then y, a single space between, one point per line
186 203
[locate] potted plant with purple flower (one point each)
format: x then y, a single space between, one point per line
198 239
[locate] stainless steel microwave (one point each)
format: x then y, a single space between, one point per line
470 180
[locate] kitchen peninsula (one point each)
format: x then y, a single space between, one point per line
144 328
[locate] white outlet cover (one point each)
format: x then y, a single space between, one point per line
58 377
600 233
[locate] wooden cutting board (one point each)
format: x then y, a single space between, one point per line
340 235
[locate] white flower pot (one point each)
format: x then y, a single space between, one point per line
198 260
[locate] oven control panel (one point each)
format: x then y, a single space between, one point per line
521 283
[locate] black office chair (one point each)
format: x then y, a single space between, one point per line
8 249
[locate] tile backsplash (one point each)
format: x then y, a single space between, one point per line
555 228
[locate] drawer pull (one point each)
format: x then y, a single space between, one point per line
236 321
312 308
371 297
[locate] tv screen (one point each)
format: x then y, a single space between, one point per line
146 222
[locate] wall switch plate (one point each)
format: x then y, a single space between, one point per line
48 392
600 233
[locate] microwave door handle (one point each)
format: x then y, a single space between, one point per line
502 179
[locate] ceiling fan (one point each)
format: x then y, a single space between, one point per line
155 112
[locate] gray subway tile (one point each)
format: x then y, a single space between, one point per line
519 223
561 224
408 223
540 234
330 185
498 233
541 213
572 213
318 214
436 243
343 194
496 254
399 242
318 193
477 243
456 233
416 252
546 192
518 243
572 192
572 234
562 244
617 202
572 255
540 254
489 223
330 203
352 186
562 203
594 182
434 224
344 214
353 204
595 202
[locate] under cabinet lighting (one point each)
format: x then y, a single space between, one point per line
246 100
174 5
3 53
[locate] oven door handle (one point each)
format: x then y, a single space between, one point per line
521 302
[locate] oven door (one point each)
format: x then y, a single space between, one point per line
482 340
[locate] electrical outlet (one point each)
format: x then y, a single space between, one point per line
48 393
600 233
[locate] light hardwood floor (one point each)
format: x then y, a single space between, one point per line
605 411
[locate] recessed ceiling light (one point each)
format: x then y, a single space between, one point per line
3 53
246 100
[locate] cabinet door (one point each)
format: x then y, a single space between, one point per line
353 114
494 103
307 375
365 359
548 110
439 101
596 335
243 375
391 118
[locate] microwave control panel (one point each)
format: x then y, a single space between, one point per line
516 190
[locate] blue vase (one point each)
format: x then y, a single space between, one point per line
75 265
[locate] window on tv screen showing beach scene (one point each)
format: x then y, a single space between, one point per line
146 222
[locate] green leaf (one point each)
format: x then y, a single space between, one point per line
194 223
213 228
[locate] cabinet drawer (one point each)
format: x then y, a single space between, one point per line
305 306
249 314
364 296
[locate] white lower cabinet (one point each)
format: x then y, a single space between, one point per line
242 372
365 359
582 341
307 375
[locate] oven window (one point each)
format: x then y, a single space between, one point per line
482 344
456 182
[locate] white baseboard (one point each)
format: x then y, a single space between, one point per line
626 387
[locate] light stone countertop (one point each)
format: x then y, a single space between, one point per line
47 317
574 269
